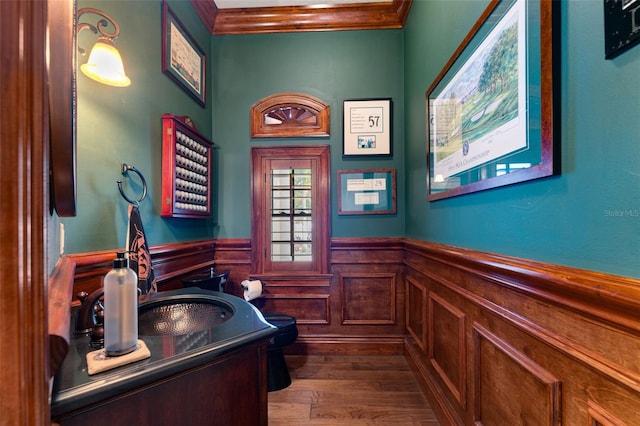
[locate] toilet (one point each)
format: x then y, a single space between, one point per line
278 376
210 281
277 371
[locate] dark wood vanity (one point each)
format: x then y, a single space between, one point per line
213 375
230 389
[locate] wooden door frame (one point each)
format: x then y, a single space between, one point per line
260 219
24 161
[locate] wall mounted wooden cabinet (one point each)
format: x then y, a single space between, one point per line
186 169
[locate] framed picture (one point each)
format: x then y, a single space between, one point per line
182 59
621 25
367 127
491 110
371 191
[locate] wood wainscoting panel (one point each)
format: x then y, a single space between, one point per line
510 388
416 312
316 301
305 297
270 281
446 349
233 255
306 308
368 298
598 416
171 263
554 344
461 316
59 306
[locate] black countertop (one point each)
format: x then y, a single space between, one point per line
73 388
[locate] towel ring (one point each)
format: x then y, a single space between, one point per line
125 169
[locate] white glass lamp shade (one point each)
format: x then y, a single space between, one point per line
105 65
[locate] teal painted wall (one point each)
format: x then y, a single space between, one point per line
589 216
117 125
331 66
571 219
123 125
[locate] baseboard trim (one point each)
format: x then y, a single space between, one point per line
439 402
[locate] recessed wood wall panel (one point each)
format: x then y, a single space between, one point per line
510 387
315 300
447 353
545 343
581 327
283 281
306 308
598 416
416 312
368 298
368 294
234 256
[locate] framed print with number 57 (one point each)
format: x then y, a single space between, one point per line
367 127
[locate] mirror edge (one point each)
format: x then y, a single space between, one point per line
62 105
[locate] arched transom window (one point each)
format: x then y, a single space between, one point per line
286 115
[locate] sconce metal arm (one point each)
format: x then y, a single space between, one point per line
101 25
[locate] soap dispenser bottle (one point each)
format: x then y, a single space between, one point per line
120 308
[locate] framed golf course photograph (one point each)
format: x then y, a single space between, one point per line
490 111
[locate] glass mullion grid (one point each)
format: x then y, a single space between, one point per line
291 219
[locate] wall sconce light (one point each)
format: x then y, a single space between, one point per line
104 64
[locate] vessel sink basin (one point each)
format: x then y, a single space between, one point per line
178 315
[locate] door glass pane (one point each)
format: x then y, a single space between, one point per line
291 215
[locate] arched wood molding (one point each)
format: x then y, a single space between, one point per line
289 115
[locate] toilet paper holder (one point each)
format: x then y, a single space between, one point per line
245 284
252 289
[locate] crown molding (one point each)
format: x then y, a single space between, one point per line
259 20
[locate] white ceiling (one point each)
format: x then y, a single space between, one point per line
229 4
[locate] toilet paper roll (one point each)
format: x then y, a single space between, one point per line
252 289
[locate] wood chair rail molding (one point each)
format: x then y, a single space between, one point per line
289 114
459 315
610 298
171 262
545 322
59 306
358 16
491 337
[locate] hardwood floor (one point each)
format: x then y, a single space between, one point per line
350 390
